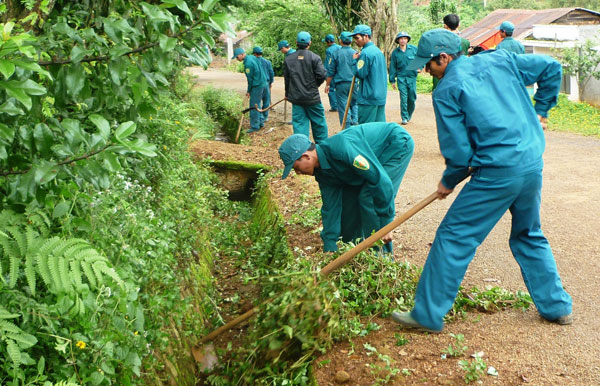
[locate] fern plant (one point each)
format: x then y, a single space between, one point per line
14 338
63 265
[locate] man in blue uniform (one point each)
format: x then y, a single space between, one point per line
487 125
268 69
370 69
285 48
406 79
359 171
331 49
339 76
303 73
257 85
508 43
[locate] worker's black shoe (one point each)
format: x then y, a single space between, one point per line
332 110
406 320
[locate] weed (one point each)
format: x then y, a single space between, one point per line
383 370
473 369
401 339
458 348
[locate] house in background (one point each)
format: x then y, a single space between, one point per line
240 40
544 32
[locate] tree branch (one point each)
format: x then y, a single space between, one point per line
108 57
61 163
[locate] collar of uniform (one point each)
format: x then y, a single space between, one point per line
508 38
455 62
323 162
367 45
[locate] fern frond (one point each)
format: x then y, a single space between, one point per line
13 352
9 327
5 314
110 272
76 274
89 273
30 272
20 238
54 273
63 269
13 273
97 268
66 244
39 219
24 340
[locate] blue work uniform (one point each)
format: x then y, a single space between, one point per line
290 51
359 176
340 69
266 101
371 73
328 58
486 121
257 84
406 80
511 45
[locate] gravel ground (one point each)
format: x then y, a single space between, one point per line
520 345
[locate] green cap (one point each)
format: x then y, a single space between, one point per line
329 39
402 34
303 37
361 29
237 51
507 26
257 50
346 37
281 44
433 43
291 149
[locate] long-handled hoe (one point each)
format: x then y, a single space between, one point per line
205 354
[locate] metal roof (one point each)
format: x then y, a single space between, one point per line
523 19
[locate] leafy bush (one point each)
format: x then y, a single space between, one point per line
224 107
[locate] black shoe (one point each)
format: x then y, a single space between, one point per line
332 110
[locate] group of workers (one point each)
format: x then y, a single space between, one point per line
488 130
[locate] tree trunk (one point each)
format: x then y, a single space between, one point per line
381 16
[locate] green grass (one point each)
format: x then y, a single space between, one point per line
575 117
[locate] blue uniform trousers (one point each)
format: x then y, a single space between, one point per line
474 213
359 219
369 113
408 96
313 116
332 98
342 89
256 118
266 102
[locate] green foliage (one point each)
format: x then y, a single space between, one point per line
343 13
74 88
440 8
225 107
61 264
424 84
578 117
401 339
582 61
275 20
457 348
473 369
490 300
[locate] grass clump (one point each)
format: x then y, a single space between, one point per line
575 117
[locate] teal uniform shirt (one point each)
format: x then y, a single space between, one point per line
255 73
476 128
511 45
329 54
371 72
340 67
399 61
268 68
486 120
354 160
291 51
